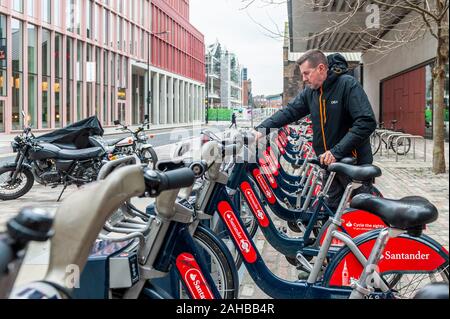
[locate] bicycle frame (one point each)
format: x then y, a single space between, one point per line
258 270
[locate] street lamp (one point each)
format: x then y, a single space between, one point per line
149 96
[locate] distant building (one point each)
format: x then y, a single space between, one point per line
62 61
275 101
246 92
224 77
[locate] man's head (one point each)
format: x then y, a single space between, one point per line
313 68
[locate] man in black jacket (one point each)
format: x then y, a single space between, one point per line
340 111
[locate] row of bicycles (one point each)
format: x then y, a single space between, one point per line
210 202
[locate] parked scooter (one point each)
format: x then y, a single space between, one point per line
137 144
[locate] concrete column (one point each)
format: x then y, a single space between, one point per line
182 101
186 102
196 106
155 99
163 101
203 105
177 101
189 109
170 106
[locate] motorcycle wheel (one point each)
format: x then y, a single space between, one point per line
24 182
149 157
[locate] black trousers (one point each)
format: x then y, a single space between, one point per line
338 187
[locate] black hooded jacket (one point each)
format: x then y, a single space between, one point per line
340 111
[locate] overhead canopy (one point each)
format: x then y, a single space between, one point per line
306 20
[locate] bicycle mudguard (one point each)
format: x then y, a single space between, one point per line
401 254
355 222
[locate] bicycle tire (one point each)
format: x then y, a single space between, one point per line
393 278
375 143
227 283
401 149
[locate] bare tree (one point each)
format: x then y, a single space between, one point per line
407 21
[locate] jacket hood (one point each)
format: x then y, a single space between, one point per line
337 66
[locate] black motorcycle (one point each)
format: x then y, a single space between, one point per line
64 157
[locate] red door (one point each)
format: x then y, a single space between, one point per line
403 99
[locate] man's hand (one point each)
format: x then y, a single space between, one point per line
327 158
258 135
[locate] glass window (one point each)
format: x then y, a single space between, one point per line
46 11
80 64
3 61
30 8
18 5
32 75
56 13
69 79
46 68
89 17
17 68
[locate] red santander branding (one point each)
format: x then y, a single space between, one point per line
357 222
280 147
264 187
236 230
193 277
273 167
400 254
256 207
274 158
268 173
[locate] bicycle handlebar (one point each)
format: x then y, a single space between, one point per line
157 182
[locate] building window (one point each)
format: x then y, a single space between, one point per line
46 68
69 79
57 12
46 11
89 19
17 68
80 64
18 5
3 61
32 75
57 87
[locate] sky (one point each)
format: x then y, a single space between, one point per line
239 32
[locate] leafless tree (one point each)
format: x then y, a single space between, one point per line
406 20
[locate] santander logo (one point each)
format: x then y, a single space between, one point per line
193 277
255 206
234 227
264 187
196 283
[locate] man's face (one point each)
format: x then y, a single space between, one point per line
313 77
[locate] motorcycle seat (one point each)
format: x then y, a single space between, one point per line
81 154
65 146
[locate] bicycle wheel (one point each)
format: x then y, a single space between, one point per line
375 142
403 276
221 268
405 285
403 146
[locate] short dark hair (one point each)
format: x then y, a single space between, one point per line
314 57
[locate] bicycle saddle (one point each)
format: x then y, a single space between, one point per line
406 214
363 173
